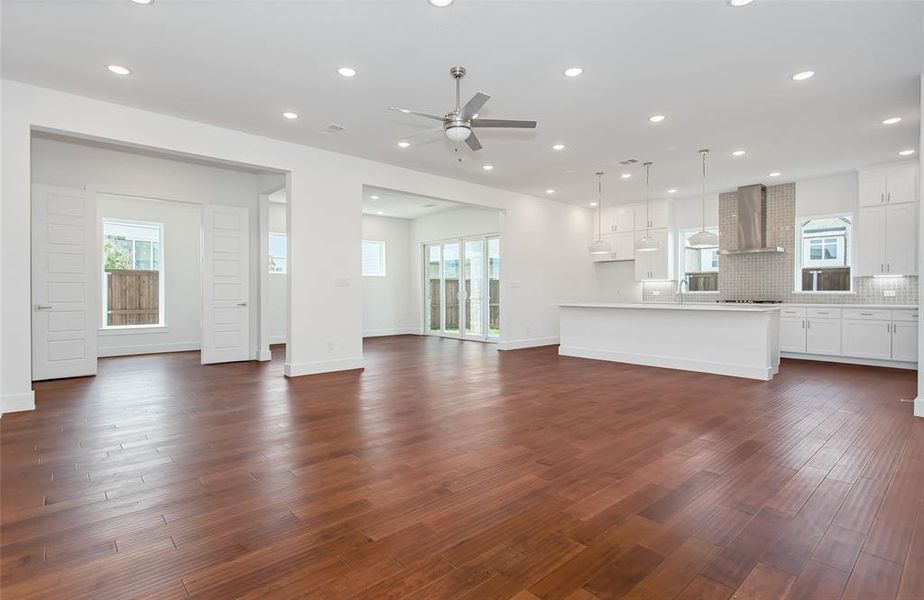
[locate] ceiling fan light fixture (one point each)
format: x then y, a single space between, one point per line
440 3
458 133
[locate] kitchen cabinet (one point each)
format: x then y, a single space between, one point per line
792 334
887 240
905 341
657 216
823 336
621 244
619 218
867 338
654 264
888 184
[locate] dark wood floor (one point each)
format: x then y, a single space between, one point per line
448 469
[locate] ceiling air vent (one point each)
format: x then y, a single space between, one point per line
627 162
332 129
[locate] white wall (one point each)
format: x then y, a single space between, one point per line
826 195
919 401
134 174
276 282
543 241
387 306
182 283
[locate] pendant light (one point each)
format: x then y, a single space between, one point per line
645 243
703 240
600 246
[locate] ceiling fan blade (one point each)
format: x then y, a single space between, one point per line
473 142
414 112
503 123
472 107
422 136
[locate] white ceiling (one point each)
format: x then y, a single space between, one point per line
720 74
402 205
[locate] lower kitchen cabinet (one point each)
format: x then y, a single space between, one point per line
863 338
905 341
792 335
823 336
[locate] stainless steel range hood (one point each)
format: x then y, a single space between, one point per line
752 222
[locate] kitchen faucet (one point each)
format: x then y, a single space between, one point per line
684 281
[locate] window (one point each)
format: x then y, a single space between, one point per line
700 266
278 251
133 288
373 259
823 254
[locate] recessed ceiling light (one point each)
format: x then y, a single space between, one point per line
803 75
403 144
891 120
347 71
550 191
573 71
739 3
143 2
774 174
119 69
441 3
373 197
290 115
739 153
672 191
558 147
380 212
487 167
906 153
656 118
626 175
593 203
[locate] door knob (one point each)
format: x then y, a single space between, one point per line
43 307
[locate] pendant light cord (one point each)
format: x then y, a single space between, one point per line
703 153
647 199
599 205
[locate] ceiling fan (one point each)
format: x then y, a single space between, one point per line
459 122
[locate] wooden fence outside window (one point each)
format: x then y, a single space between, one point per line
133 297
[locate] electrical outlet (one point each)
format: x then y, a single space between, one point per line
888 293
330 346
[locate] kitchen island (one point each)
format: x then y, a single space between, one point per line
742 341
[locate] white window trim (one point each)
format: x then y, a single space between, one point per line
797 264
681 246
384 272
270 256
161 301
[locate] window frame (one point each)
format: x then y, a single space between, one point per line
161 269
270 254
682 247
382 259
849 250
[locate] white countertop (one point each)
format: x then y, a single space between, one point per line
669 306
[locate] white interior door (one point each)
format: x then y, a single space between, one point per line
225 284
65 294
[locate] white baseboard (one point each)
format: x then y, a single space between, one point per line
670 362
277 339
324 366
919 407
384 332
148 348
847 360
527 343
17 402
264 355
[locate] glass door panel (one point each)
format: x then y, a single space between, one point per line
493 287
474 292
452 260
432 288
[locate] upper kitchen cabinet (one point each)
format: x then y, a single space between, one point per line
888 184
619 218
658 215
656 264
887 240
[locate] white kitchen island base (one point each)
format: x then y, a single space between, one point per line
742 341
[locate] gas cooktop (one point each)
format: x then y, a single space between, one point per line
751 301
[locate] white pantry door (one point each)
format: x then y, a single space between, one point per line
225 284
65 276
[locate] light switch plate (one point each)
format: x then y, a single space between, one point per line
888 293
342 282
655 292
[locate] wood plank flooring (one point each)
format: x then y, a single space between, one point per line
449 470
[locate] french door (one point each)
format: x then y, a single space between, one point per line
462 288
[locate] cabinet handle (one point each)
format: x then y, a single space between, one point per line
803 323
866 314
888 197
881 197
889 327
823 313
881 267
808 324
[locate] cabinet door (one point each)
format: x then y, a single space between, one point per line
609 256
619 219
905 341
792 335
872 188
901 186
901 226
870 250
657 216
623 246
867 338
661 259
823 336
643 261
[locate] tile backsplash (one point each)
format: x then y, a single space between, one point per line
771 276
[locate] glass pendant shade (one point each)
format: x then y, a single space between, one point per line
703 240
647 244
600 247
